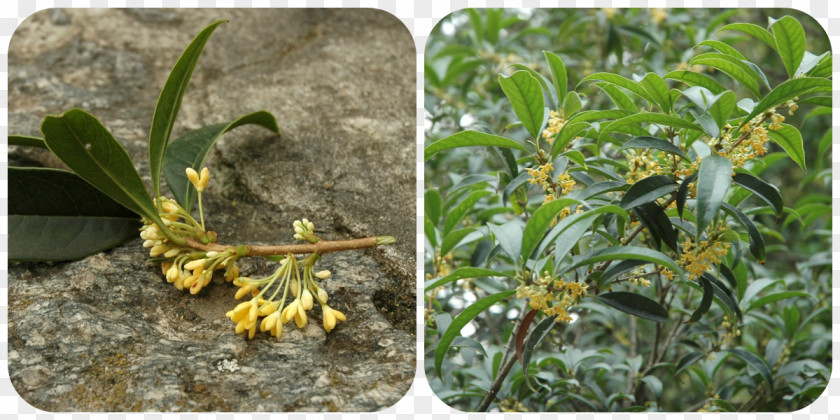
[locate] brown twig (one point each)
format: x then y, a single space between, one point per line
320 247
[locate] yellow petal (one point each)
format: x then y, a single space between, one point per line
329 319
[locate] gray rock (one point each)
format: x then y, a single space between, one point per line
108 333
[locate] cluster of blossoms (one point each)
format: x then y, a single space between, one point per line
553 189
697 258
190 268
730 331
555 124
184 266
643 164
552 296
295 279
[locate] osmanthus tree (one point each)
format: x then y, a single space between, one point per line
624 225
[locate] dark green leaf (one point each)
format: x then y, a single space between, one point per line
769 193
788 90
635 304
733 67
647 190
713 181
658 91
526 98
469 138
462 320
756 240
687 360
724 48
536 336
190 150
790 42
453 238
429 229
169 102
539 223
654 143
791 140
775 297
620 81
558 74
696 79
658 224
88 148
462 273
15 140
461 210
57 216
433 205
682 192
625 253
646 117
621 99
758 363
751 29
705 302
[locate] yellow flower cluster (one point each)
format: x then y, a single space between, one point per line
183 266
730 331
552 297
642 164
555 124
295 279
658 15
553 189
698 258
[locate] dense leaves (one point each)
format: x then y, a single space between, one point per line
645 228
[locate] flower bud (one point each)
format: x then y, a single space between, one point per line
322 295
306 300
323 274
192 265
204 178
192 175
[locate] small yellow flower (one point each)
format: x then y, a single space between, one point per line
331 317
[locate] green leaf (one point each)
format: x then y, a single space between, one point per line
758 363
696 79
558 74
705 302
687 360
625 253
462 320
539 223
790 42
621 99
536 336
756 240
16 140
433 205
724 48
429 229
658 225
571 104
462 273
646 117
191 149
733 67
775 297
789 90
461 210
762 34
713 181
654 143
169 102
768 193
647 190
658 91
570 229
682 192
80 141
57 216
526 98
791 140
453 238
621 81
470 138
544 84
635 304
509 236
576 157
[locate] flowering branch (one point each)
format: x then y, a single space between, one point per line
321 247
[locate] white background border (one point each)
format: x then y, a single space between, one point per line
419 17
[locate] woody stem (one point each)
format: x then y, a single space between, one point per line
320 247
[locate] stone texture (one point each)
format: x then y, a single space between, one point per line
107 333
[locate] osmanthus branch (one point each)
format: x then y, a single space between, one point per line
321 247
508 360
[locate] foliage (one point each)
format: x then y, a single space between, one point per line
627 210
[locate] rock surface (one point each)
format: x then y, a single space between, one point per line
107 333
